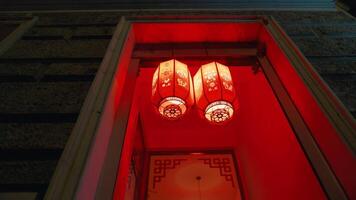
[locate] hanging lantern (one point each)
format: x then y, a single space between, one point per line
215 94
172 89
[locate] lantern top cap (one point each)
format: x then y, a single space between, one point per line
173 61
215 63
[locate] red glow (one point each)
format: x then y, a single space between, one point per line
127 149
271 163
196 32
197 153
268 153
341 159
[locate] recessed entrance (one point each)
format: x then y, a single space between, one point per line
259 135
275 134
267 151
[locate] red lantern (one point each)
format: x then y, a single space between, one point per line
215 94
172 89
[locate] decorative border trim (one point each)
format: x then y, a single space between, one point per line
161 167
224 166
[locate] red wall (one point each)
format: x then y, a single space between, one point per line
341 159
271 162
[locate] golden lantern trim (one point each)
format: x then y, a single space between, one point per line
219 112
172 107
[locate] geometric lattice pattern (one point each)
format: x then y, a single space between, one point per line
161 167
224 166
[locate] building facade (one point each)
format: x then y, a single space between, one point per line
58 68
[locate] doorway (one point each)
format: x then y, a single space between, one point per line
195 175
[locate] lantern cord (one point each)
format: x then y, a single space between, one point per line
198 179
206 51
173 56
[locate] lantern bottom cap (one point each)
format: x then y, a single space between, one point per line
172 108
219 112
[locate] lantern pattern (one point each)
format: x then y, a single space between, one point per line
172 89
215 94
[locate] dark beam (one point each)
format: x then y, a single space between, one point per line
46 78
194 50
33 187
198 61
51 60
77 37
29 154
38 117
